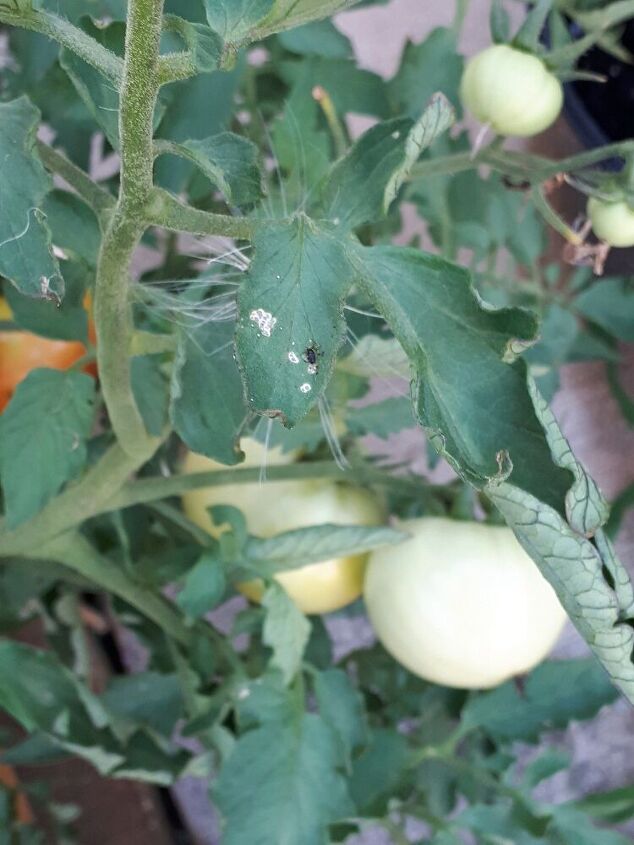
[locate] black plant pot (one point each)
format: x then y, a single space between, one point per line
603 113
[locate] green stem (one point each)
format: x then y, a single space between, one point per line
113 321
76 553
166 211
532 168
174 67
77 503
151 343
459 16
153 489
113 315
70 36
98 198
552 218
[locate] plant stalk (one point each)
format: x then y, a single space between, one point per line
113 316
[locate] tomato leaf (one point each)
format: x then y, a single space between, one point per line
188 116
552 695
43 435
586 509
302 546
286 630
610 304
291 317
590 581
207 405
320 38
571 827
378 771
151 391
149 699
350 88
362 185
341 707
381 419
48 318
204 586
288 765
25 239
471 395
235 20
229 161
591 584
205 45
44 696
99 95
240 21
74 226
433 65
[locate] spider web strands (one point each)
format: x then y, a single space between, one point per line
329 428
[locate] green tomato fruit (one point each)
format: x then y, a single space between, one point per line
613 222
461 603
512 91
275 507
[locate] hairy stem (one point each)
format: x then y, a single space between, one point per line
152 489
166 211
98 198
70 36
113 317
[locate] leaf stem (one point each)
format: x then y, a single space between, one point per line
532 168
166 211
70 36
113 315
151 489
98 198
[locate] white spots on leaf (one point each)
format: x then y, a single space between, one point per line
243 693
305 388
264 320
292 357
396 135
312 369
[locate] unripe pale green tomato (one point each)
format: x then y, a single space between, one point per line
279 506
512 91
461 603
613 222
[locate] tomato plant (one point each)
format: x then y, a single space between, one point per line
276 380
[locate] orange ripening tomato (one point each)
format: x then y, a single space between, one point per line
21 352
21 807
